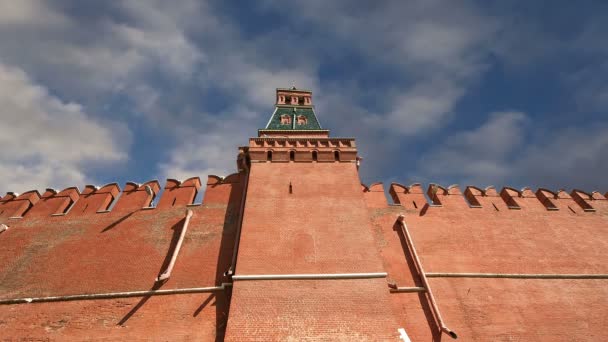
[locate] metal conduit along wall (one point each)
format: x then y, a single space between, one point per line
112 295
434 306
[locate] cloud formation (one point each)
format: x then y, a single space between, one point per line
422 85
47 142
508 150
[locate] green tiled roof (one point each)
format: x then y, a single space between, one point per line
311 119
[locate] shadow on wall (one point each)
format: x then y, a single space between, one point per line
220 299
227 244
117 222
177 229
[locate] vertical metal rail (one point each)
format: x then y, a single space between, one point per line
410 243
167 272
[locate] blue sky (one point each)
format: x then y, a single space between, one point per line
510 93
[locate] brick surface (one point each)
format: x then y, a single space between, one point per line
311 310
321 227
118 251
303 216
192 317
457 238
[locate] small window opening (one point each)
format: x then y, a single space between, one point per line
337 155
414 203
290 188
285 119
174 199
85 208
301 120
269 156
314 156
572 210
292 155
495 207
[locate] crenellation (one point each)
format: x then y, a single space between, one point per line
374 195
471 194
490 191
179 193
454 189
137 196
88 189
450 198
411 198
94 199
583 199
567 204
509 195
487 199
55 203
14 205
48 191
527 193
546 197
434 191
223 191
596 195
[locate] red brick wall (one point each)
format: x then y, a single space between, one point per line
322 310
456 238
119 251
329 223
322 226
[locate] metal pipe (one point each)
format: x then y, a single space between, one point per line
408 289
516 275
410 242
167 272
310 276
112 295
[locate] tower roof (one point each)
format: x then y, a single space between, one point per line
299 119
293 112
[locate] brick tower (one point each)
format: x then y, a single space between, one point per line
293 247
307 265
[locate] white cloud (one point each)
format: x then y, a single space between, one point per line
47 142
481 155
574 157
426 106
508 150
209 151
29 12
439 47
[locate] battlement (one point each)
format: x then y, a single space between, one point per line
109 198
414 197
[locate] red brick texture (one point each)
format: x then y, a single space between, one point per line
318 225
311 310
303 217
536 238
322 226
122 250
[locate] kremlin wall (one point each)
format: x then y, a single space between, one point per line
292 247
